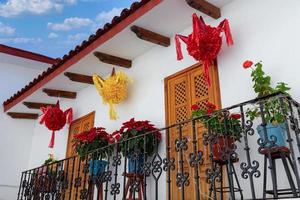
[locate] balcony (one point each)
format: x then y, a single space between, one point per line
207 157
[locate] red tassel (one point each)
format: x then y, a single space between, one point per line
227 32
196 29
178 48
45 111
69 115
206 72
51 144
178 45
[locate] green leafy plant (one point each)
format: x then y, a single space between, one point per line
133 129
91 140
262 87
50 159
221 124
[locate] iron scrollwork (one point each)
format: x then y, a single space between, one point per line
169 164
182 179
181 144
196 158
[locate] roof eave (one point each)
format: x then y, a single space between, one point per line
73 57
26 54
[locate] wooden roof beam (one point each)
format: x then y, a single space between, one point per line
18 115
150 36
79 78
60 93
205 7
36 105
113 60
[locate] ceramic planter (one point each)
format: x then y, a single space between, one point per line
135 165
278 131
97 166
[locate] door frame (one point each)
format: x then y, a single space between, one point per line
74 121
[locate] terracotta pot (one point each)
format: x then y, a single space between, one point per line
220 145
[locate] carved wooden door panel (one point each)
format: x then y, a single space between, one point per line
79 125
201 93
84 123
182 91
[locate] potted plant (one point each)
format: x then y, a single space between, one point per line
273 115
130 147
91 140
226 126
50 160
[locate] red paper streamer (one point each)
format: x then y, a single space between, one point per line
55 119
204 43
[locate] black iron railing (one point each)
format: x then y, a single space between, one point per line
197 159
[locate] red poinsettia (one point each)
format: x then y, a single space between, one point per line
91 140
247 64
133 129
204 43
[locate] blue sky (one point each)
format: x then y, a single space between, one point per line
53 27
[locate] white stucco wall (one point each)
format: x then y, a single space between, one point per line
15 144
15 135
262 30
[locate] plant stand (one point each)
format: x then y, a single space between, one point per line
231 188
135 183
282 153
91 189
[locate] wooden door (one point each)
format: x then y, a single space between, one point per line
82 124
79 125
184 89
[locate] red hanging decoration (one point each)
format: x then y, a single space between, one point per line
204 43
55 119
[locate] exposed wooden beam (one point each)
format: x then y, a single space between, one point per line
60 93
150 36
113 60
79 77
205 7
18 115
36 105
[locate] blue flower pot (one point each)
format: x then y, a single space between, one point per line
97 166
135 165
277 131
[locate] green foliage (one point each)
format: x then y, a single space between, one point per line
138 143
219 123
50 160
92 140
83 148
262 87
134 134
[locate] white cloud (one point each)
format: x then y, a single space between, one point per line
70 23
19 40
16 7
6 30
76 38
106 16
71 1
52 35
